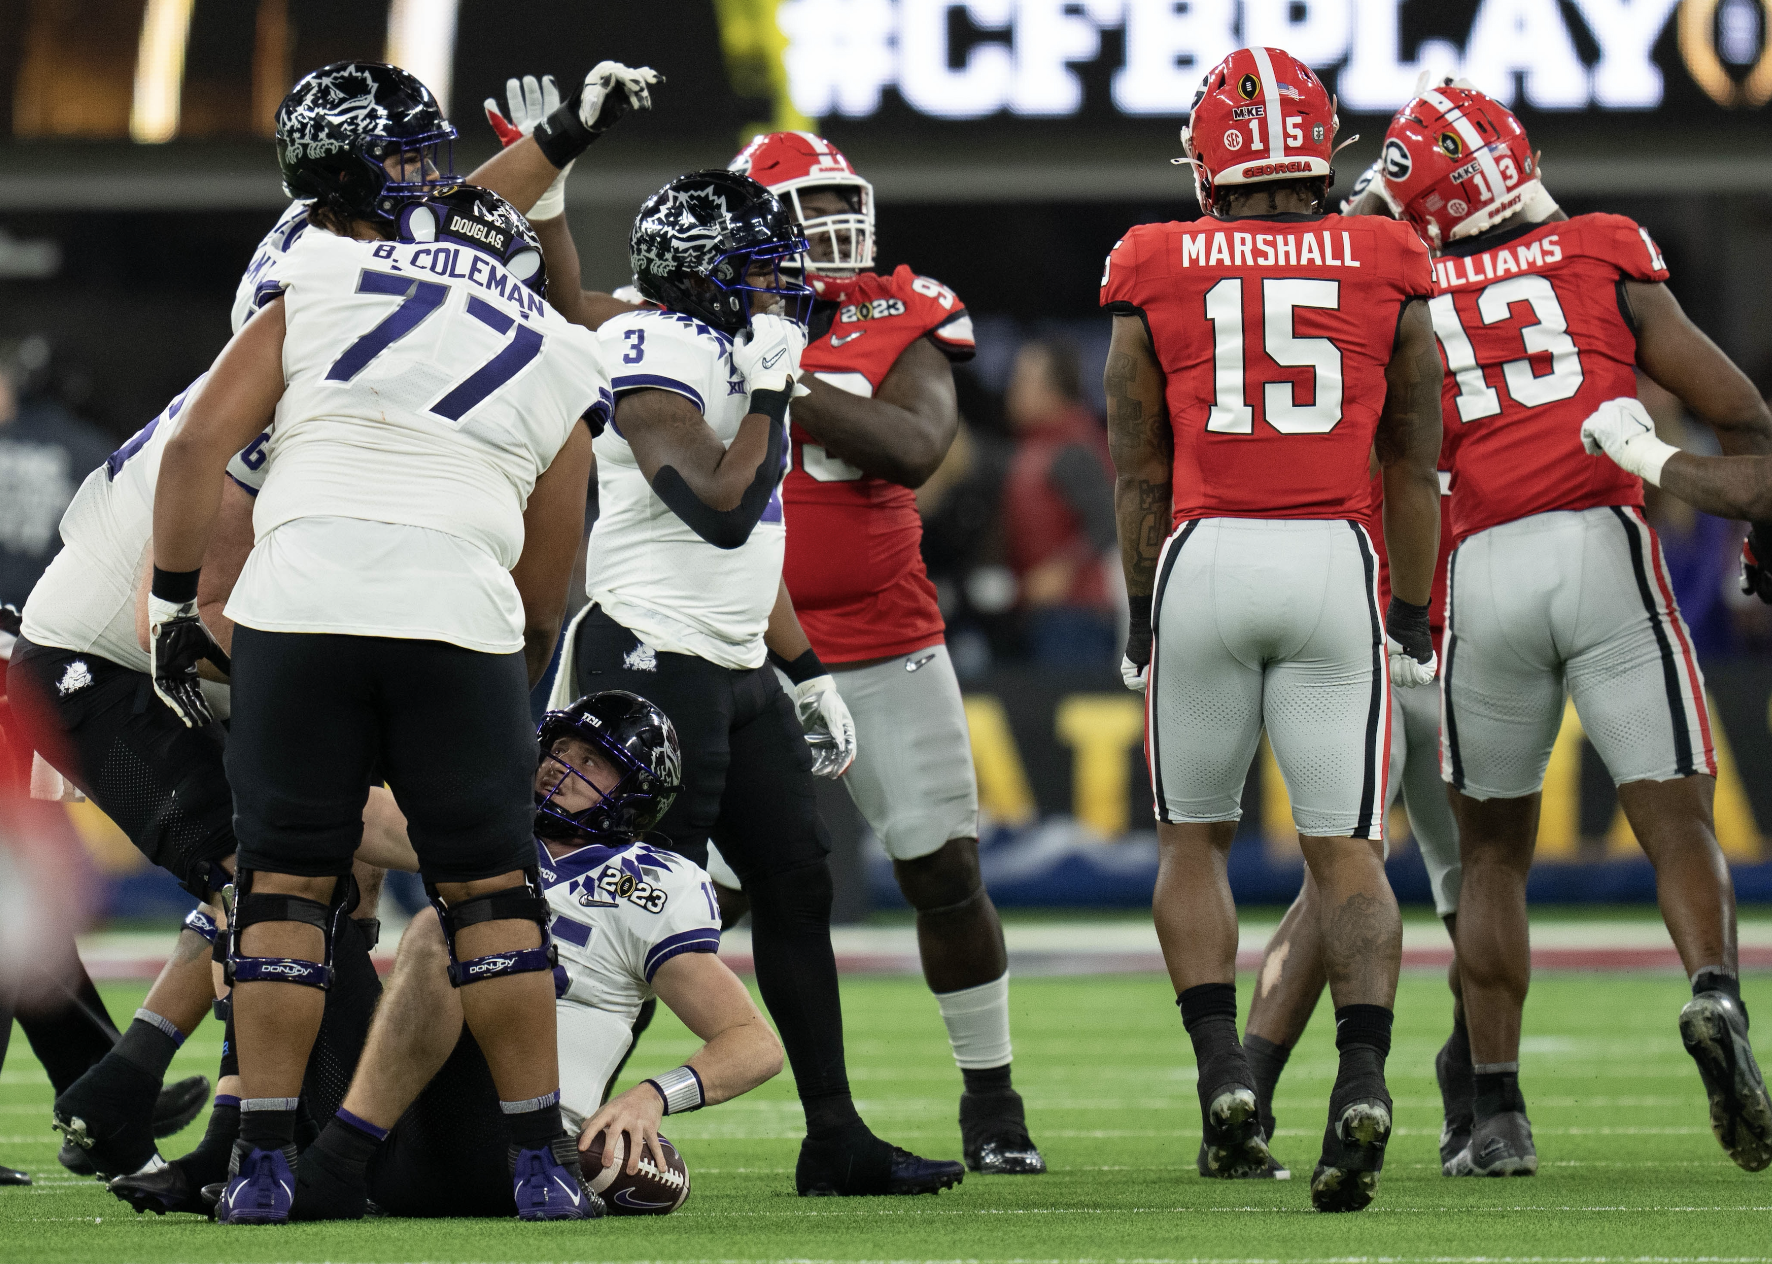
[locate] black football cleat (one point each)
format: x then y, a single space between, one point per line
1713 1027
179 1103
1232 1146
109 1114
1457 1104
12 1176
1353 1154
1500 1145
852 1161
160 1191
1274 1171
994 1135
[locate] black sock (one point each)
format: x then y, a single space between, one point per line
1209 1013
71 1037
988 1080
831 1113
1363 1036
268 1123
535 1122
1498 1088
1717 979
208 1162
1267 1060
352 1140
150 1043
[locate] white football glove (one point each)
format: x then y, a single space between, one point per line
767 355
1407 671
830 729
611 90
1623 430
1136 677
530 100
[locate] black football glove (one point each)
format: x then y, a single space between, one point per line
1135 667
178 641
1409 644
1756 562
10 620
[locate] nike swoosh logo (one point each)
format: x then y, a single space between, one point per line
775 359
837 342
912 664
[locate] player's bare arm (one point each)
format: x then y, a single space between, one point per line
559 253
784 636
1142 446
903 432
553 528
727 487
1408 446
741 1052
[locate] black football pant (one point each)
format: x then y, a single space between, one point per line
747 784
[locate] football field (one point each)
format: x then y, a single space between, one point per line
1629 1168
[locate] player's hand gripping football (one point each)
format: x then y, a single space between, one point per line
635 1113
1409 644
177 642
830 729
530 100
1623 430
767 354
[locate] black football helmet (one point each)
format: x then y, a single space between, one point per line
695 241
640 741
340 124
481 219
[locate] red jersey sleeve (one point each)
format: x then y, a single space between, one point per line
937 311
1120 274
1623 243
1416 266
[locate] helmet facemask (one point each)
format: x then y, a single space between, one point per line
784 259
410 166
600 822
847 236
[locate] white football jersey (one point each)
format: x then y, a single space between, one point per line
85 601
259 284
427 389
619 914
645 567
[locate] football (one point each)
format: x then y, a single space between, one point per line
648 1192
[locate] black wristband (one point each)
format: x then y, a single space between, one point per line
561 136
802 669
1407 624
175 586
772 404
1138 635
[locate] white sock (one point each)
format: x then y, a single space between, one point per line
977 1019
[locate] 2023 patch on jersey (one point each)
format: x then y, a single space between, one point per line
854 562
1535 339
1273 335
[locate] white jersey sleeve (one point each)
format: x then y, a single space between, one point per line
259 284
618 915
648 570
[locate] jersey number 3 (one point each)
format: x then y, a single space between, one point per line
1549 333
1280 297
418 300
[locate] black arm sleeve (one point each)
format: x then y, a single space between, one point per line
1079 478
728 528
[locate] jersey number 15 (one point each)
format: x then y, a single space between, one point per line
1280 298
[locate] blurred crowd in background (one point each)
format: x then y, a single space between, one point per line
1019 522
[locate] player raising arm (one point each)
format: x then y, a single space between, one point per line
1258 355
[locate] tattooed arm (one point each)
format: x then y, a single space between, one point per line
1143 450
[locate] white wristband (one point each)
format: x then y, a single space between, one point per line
552 202
680 1088
1644 455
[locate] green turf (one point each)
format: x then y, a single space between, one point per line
1630 1171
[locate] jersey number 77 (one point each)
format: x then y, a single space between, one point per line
418 300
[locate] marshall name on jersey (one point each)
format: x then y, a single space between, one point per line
1533 330
426 390
646 568
854 554
619 913
1273 335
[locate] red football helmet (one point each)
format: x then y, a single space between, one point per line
787 162
1456 162
1260 115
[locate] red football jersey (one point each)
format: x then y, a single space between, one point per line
1273 335
854 562
1534 341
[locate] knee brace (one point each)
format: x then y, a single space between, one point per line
248 908
525 903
